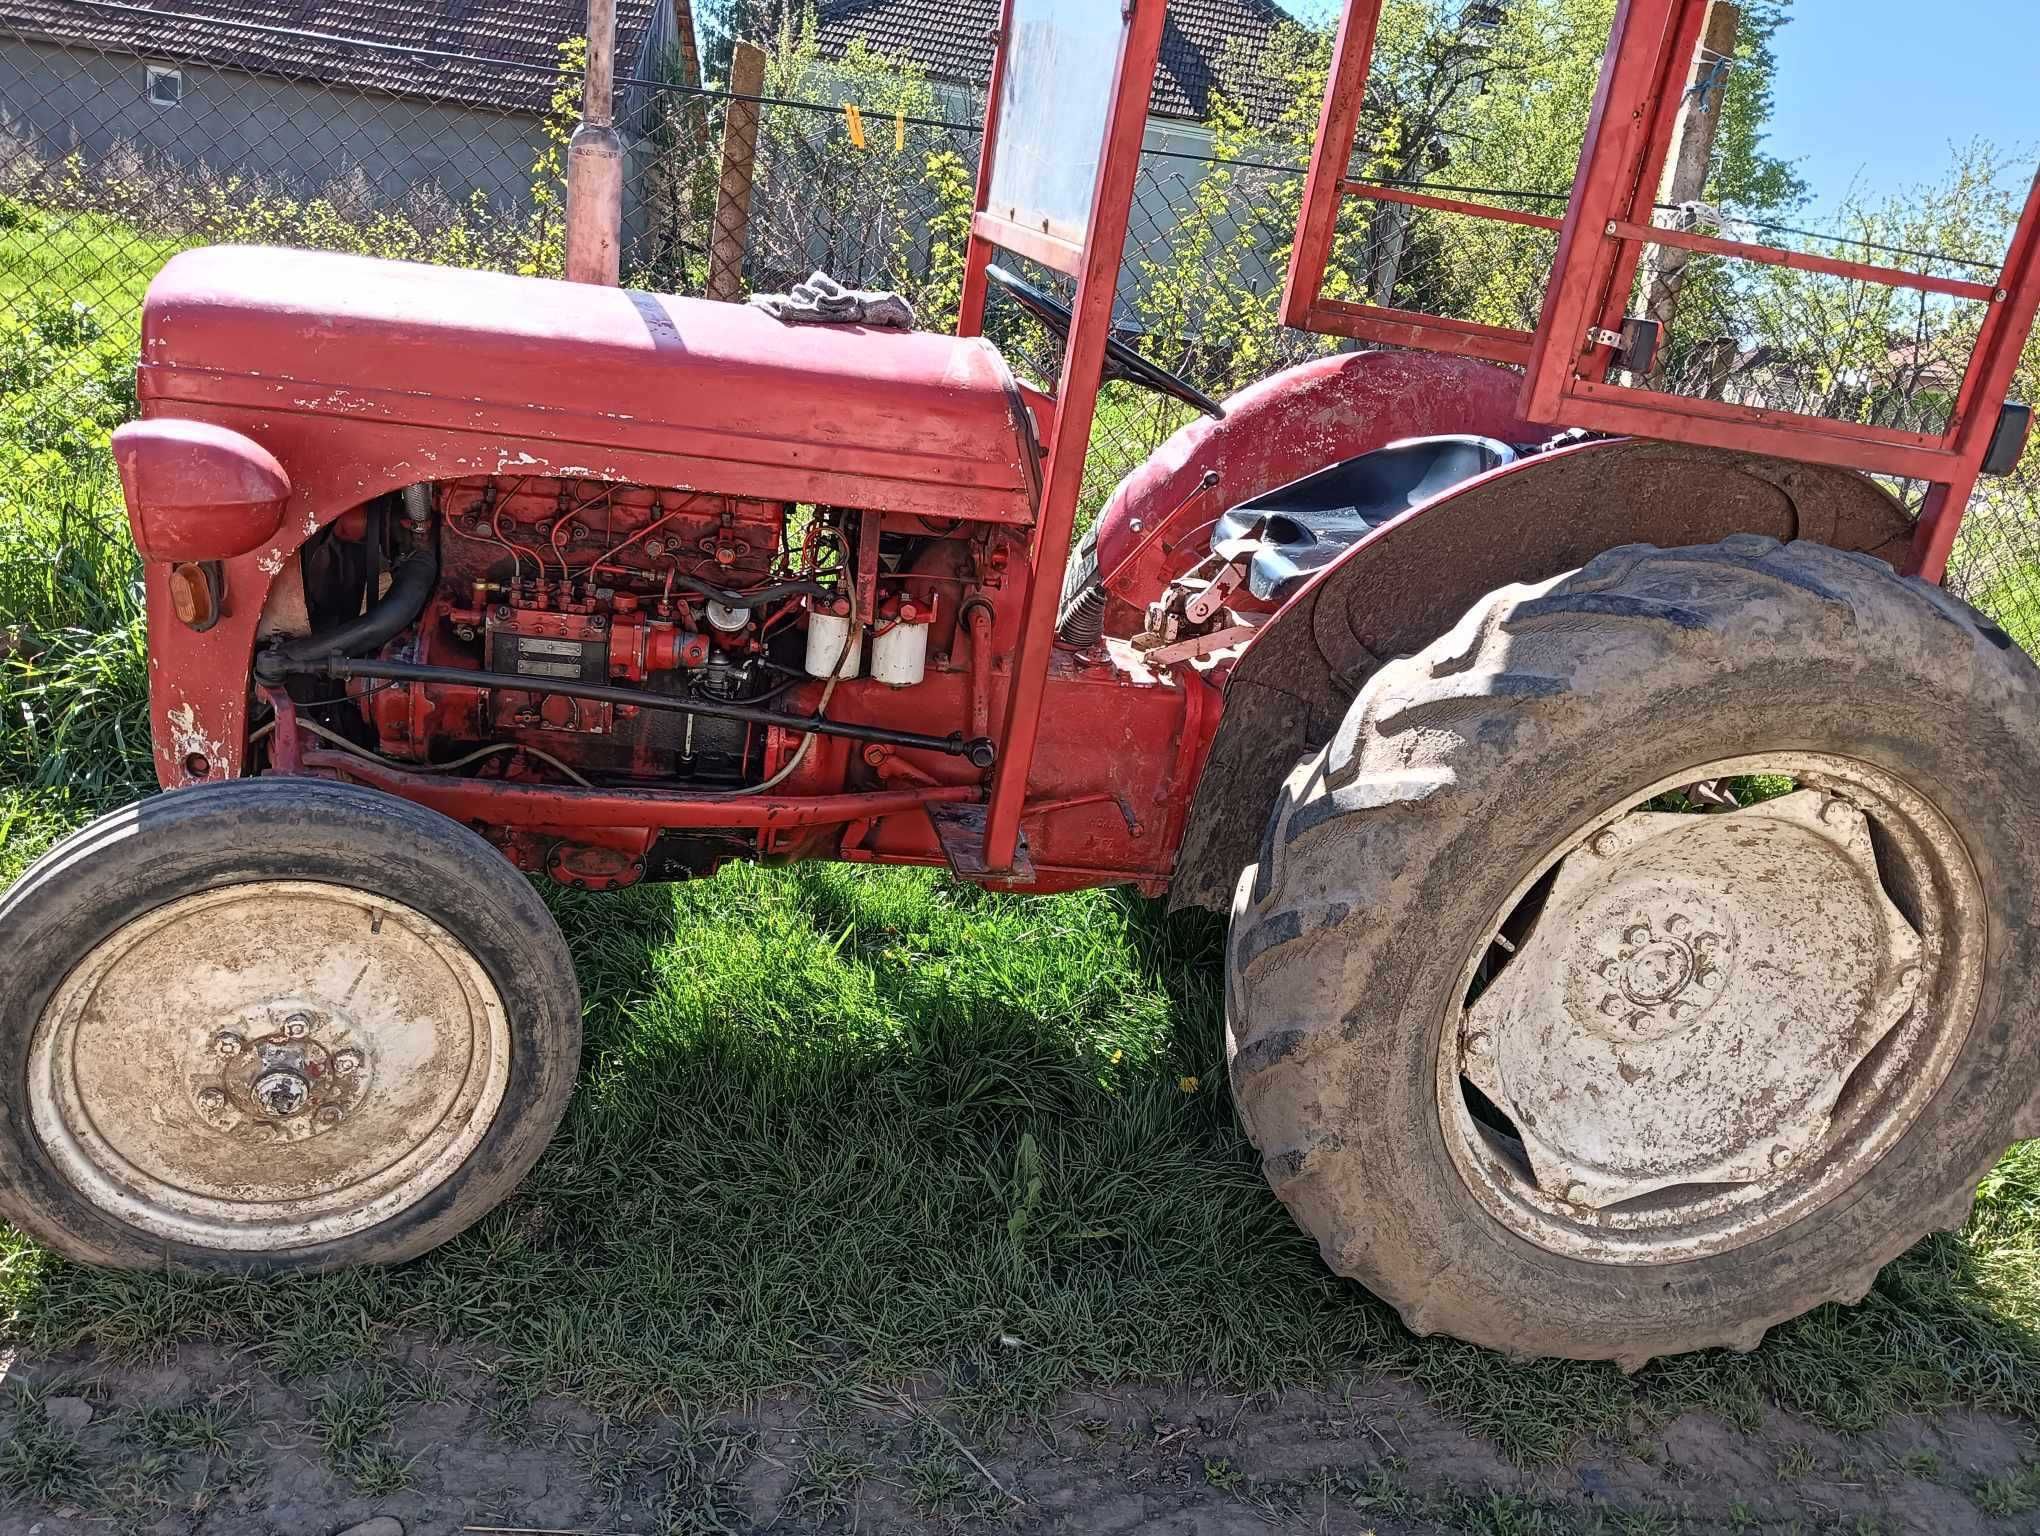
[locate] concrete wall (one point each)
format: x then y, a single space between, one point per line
62 98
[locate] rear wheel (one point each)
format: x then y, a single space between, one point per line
272 1025
1645 962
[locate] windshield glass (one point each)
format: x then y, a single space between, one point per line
1057 94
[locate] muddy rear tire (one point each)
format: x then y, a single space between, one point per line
1487 775
271 1025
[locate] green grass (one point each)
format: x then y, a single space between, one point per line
842 1127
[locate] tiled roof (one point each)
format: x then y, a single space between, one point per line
952 40
512 46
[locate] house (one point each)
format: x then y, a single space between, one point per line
1209 48
301 93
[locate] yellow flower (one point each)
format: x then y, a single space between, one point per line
1187 1084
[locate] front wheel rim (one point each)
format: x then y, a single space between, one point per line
268 1066
1681 1033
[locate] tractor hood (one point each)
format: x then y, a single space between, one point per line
568 379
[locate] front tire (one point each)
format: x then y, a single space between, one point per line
1556 1066
273 1025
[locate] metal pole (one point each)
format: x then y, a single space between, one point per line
595 162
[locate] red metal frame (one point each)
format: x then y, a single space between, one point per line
1095 266
1601 244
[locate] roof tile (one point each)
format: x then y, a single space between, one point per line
953 40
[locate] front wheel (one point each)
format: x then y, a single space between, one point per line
276 1024
1648 961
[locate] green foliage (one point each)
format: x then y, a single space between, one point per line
544 252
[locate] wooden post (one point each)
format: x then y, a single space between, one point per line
1664 272
595 162
739 166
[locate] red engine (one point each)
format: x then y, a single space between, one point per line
613 600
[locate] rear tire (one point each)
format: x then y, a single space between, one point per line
1462 782
273 1025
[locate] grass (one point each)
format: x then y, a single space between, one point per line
838 1127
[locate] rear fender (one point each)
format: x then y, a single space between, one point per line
1409 581
1158 522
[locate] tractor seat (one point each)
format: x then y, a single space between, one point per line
1305 525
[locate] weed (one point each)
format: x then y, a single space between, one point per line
39 1461
2016 1494
352 1421
1794 1464
831 1476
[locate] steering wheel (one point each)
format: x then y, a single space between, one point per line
1121 361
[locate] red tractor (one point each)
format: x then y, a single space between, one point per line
1630 847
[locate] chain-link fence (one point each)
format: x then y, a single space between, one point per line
128 134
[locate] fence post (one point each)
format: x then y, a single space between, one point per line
739 165
1685 180
595 162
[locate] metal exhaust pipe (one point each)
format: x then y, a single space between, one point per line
595 162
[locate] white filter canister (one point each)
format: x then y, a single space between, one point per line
829 636
899 655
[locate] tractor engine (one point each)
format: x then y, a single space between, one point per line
612 600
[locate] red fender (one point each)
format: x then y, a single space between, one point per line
1292 423
1409 581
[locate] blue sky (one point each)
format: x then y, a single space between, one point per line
1874 92
1879 91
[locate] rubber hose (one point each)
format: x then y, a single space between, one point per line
411 584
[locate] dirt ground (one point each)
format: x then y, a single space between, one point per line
203 1443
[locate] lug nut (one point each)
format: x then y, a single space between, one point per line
347 1063
1604 844
211 1098
1576 1194
1613 1006
1835 812
1685 1011
330 1114
1781 1157
227 1043
297 1026
1677 924
1638 934
1477 1043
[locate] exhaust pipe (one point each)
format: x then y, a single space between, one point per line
595 163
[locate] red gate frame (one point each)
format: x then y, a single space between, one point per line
1601 239
1095 266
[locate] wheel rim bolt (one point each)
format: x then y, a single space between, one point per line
227 1043
1604 844
211 1098
330 1114
347 1063
1576 1194
1781 1157
1835 812
1477 1044
297 1026
1640 934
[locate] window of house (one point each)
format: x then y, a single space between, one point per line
166 86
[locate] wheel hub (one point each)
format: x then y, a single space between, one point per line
290 1067
336 1057
1692 999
